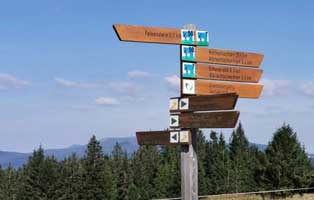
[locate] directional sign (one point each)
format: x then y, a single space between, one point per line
174 137
184 104
226 119
223 73
205 103
163 137
174 120
203 87
161 35
218 56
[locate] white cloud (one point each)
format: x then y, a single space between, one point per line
73 84
106 101
307 88
276 87
138 74
124 87
8 81
173 81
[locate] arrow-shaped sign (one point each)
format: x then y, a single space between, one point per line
204 87
147 34
225 119
205 103
222 73
163 137
219 56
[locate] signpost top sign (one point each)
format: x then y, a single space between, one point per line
161 35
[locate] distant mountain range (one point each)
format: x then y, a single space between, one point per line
129 144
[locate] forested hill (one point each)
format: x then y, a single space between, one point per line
154 172
129 144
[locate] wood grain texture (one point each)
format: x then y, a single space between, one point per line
228 57
226 119
158 138
210 102
227 73
148 34
189 170
203 87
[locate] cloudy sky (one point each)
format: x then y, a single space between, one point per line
64 75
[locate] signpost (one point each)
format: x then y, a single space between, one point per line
226 119
221 73
204 87
161 35
164 137
203 103
214 86
219 56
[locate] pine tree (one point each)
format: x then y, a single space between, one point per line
217 164
203 182
70 180
288 164
241 174
93 179
167 181
120 166
144 167
9 184
33 187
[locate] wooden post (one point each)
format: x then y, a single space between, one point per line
189 170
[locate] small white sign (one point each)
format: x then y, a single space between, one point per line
184 136
184 104
174 137
188 86
174 120
174 104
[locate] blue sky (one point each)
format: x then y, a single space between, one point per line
64 75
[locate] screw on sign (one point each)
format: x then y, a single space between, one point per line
210 82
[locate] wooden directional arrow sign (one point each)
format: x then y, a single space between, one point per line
218 56
226 119
223 73
161 35
204 103
203 87
163 137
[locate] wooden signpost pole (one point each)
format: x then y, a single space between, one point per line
189 167
189 170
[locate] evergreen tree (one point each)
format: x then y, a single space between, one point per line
120 166
8 183
203 182
93 179
167 181
144 167
241 175
217 162
288 164
38 178
70 180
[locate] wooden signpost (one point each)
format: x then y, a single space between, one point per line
164 137
211 82
204 87
161 35
203 103
221 73
219 56
226 119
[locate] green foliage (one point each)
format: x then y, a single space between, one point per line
288 165
154 171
